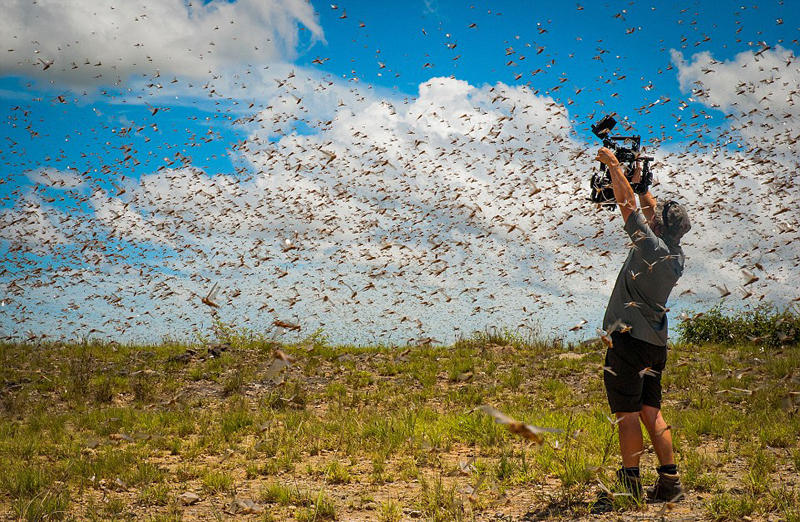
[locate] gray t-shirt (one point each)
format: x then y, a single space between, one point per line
639 298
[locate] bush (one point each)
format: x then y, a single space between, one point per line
143 387
763 325
530 339
79 372
104 389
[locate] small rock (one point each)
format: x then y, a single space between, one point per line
217 349
188 498
180 358
245 506
465 376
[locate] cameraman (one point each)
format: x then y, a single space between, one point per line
636 320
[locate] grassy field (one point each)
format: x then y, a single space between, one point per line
219 429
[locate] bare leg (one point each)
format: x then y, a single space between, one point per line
660 435
630 438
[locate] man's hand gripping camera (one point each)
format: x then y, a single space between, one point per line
627 149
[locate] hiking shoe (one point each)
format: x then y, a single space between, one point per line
631 486
631 483
603 504
667 488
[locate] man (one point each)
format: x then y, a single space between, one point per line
636 320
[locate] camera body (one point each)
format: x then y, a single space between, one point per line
627 149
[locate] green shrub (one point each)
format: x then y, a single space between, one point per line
439 502
390 511
104 389
322 508
217 482
726 506
336 473
234 382
763 325
275 492
78 372
143 387
504 336
155 495
25 481
50 505
234 420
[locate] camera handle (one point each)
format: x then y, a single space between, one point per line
647 176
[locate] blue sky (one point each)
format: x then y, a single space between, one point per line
589 44
121 104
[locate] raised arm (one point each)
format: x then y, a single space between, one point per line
623 192
648 204
646 201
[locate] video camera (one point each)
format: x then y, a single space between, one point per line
628 152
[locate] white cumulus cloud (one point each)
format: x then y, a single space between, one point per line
94 42
758 91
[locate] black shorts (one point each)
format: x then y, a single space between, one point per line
633 385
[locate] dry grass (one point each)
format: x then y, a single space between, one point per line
94 431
